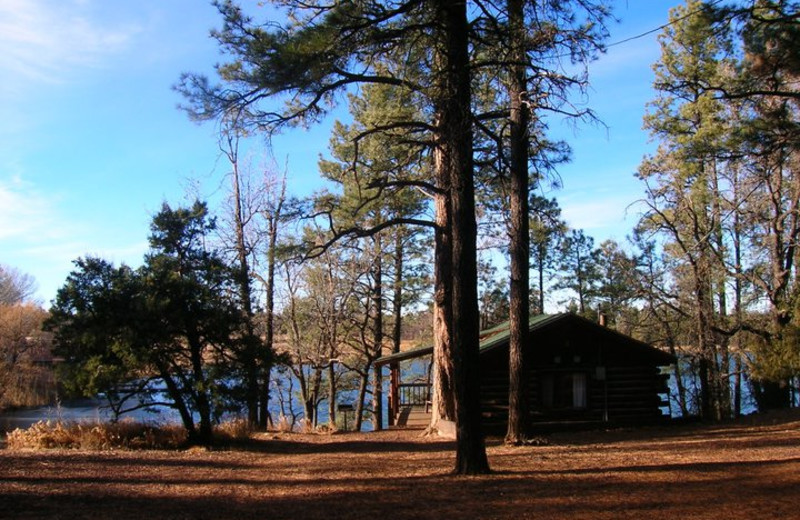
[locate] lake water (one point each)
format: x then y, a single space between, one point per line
93 410
82 410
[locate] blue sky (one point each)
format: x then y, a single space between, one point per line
91 141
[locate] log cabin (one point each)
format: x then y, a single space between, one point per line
579 373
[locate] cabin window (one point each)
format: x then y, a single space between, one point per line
579 390
562 391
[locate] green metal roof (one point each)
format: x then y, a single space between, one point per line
499 335
489 339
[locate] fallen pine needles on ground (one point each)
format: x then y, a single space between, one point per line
739 470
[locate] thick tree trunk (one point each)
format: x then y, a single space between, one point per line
455 144
443 398
520 238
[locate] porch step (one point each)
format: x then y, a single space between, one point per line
413 417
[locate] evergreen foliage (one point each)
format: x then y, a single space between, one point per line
722 193
171 327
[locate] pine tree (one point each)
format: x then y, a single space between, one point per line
376 169
333 46
682 178
173 317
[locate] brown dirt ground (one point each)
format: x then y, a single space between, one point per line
746 469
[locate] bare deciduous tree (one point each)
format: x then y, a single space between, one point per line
15 286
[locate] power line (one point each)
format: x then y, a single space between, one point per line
661 27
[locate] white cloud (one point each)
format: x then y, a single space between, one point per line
604 215
44 40
25 214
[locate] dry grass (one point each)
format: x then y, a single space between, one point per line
88 435
748 469
233 430
125 434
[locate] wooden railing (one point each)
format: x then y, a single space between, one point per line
414 394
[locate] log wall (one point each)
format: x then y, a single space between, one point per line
627 395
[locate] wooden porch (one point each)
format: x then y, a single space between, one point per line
409 404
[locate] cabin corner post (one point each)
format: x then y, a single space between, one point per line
377 396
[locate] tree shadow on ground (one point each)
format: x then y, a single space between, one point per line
680 429
728 490
339 444
691 472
